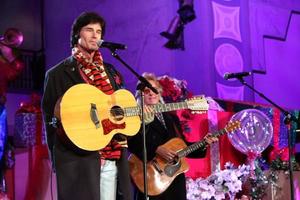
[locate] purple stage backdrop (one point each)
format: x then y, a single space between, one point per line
226 36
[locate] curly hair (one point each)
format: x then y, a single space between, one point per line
152 77
82 20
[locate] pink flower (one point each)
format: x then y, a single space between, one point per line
174 90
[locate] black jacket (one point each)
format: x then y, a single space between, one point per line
78 172
156 135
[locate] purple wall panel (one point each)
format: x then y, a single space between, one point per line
270 35
274 46
195 63
274 24
283 68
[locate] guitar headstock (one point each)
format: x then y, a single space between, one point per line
197 103
232 126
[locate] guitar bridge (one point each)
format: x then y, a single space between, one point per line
94 115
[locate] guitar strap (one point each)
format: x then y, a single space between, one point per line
160 117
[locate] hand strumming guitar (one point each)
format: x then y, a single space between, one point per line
167 154
209 138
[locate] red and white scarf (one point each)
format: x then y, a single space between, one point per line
94 70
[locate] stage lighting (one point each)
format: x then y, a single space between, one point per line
186 11
175 34
177 43
172 29
175 30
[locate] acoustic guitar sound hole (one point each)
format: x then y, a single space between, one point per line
117 113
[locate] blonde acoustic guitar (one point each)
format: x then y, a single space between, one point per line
160 173
91 118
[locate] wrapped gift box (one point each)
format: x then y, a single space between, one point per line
32 170
25 129
29 130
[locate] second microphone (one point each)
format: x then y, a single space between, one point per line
111 45
236 75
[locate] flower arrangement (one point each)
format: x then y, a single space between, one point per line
174 90
218 185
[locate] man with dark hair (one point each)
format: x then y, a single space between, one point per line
83 20
85 174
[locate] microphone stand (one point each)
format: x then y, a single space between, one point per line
140 87
287 120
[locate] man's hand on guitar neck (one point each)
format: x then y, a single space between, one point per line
165 153
148 114
209 138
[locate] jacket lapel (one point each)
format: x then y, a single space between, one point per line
72 70
158 128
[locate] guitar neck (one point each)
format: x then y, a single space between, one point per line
158 108
201 144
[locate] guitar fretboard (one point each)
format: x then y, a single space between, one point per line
134 111
202 144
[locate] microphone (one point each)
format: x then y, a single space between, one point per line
236 75
111 45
